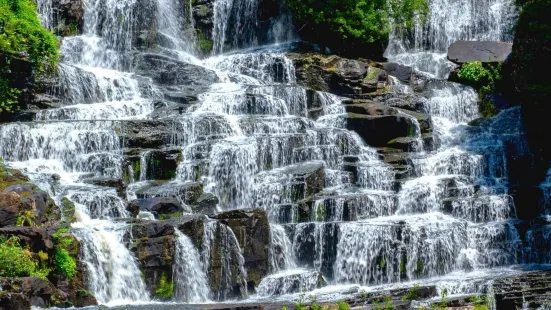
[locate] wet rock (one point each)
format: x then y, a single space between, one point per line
462 52
108 182
37 239
13 301
341 76
380 130
252 230
167 72
403 73
144 133
159 206
68 17
188 192
40 293
530 291
206 204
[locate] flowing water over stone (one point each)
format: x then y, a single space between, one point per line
243 130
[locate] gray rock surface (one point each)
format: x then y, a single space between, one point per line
461 52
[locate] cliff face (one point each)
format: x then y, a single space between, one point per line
528 70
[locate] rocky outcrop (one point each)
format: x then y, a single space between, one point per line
462 52
68 17
23 203
153 244
252 230
341 76
529 291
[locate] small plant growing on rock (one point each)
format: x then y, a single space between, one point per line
473 72
17 261
341 305
386 303
64 263
165 288
26 218
412 294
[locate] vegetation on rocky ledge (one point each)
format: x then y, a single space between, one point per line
352 25
22 36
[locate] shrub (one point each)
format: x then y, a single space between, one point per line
16 261
485 77
473 72
165 288
8 96
64 263
22 34
355 23
341 305
412 294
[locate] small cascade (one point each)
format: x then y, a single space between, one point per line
235 24
191 283
220 243
113 275
448 22
290 281
281 256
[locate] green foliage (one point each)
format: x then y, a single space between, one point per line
473 71
67 210
484 77
386 303
8 96
26 218
341 305
481 302
203 44
22 33
60 241
165 288
65 263
360 21
16 261
412 294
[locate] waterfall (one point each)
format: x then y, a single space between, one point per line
113 275
449 21
188 274
255 138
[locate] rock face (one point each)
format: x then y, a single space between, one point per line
526 76
233 241
529 291
252 230
341 76
68 17
461 52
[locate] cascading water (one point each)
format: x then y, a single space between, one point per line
250 139
189 275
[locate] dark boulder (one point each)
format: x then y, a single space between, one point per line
252 230
166 71
37 239
159 205
144 133
403 73
381 129
341 76
14 301
40 293
462 52
187 192
206 204
68 17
